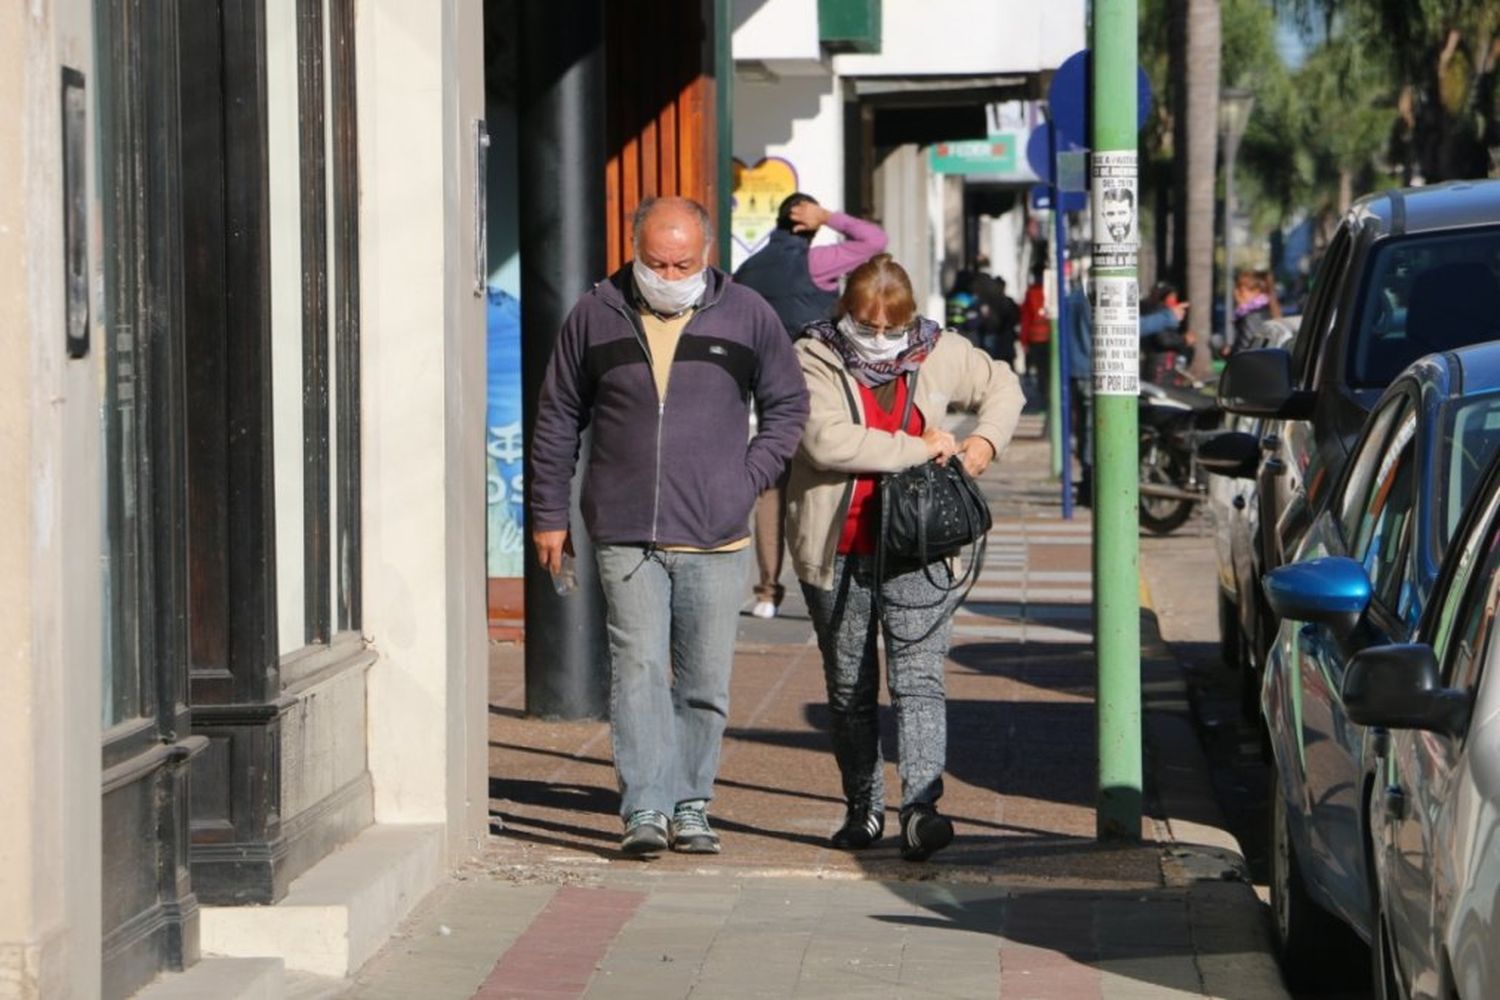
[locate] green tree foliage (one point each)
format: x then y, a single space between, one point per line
1391 91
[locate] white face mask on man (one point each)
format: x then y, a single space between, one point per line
669 297
873 346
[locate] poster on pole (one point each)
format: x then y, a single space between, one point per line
1117 340
1116 214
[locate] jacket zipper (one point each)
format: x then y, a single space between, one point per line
661 402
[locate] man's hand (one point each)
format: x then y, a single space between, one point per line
807 216
550 546
1179 309
976 453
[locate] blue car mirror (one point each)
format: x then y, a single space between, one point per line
1332 591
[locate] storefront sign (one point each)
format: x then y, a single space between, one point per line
999 154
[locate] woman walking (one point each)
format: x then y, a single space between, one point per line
860 369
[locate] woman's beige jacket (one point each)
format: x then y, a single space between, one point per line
836 445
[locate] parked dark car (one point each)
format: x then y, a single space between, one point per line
1362 577
1407 273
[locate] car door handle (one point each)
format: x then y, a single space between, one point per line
1270 442
1275 466
1380 742
1395 802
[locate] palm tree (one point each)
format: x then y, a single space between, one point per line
1202 127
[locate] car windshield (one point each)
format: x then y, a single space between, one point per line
1471 436
1428 293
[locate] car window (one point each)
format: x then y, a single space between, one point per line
1384 526
1472 626
1427 293
1470 437
1321 305
1351 504
1453 630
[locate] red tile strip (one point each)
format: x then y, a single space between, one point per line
1031 973
555 956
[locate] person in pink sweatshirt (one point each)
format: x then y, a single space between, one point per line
801 282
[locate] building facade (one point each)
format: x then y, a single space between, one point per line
847 100
243 492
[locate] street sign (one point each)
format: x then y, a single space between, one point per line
1072 201
1068 99
1072 157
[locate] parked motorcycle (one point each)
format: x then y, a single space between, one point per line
1172 419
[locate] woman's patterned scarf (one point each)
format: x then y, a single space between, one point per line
872 374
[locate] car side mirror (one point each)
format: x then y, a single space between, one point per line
1332 591
1399 687
1258 383
1235 454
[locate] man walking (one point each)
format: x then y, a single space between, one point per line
663 360
801 282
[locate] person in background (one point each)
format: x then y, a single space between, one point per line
1253 305
1035 337
1163 343
1157 319
860 369
998 313
661 360
801 282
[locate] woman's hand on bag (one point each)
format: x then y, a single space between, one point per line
940 444
977 453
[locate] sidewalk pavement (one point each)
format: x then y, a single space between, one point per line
1025 903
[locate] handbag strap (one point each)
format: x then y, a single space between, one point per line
911 391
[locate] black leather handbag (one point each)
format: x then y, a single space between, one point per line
928 513
931 511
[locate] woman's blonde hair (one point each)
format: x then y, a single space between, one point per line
879 282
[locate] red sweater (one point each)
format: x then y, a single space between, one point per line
862 526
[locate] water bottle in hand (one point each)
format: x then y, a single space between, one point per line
565 580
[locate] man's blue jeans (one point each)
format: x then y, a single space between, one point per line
672 620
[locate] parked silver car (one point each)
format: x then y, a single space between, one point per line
1234 458
1433 708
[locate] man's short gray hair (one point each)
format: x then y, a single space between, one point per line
651 203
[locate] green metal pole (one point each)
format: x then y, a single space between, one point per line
1116 359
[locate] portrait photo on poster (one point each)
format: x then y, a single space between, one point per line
1116 229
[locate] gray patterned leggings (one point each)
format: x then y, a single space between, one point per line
846 629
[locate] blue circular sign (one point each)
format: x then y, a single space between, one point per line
1068 99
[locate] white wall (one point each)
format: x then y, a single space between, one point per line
776 29
420 85
283 154
954 37
51 494
800 119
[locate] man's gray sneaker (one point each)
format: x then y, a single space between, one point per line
645 833
691 833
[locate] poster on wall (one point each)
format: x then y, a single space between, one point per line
758 192
504 444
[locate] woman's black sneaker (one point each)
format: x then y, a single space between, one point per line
862 827
923 831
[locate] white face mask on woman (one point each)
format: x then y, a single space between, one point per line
669 297
872 346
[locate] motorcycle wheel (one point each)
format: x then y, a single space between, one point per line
1163 515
